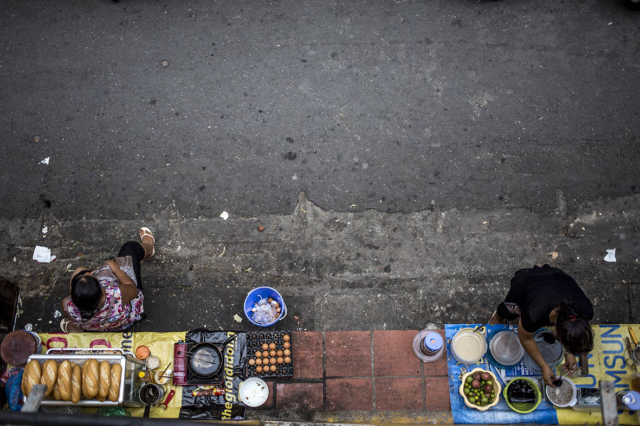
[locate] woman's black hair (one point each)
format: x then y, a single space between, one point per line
573 329
85 294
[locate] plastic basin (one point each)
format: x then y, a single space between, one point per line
523 407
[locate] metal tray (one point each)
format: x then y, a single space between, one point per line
132 401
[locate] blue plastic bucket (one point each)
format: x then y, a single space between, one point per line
254 297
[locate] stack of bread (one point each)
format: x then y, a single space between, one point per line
68 381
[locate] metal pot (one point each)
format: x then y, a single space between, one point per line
150 394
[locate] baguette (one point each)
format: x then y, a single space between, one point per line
90 378
76 379
49 375
31 376
104 381
64 380
82 376
114 386
56 392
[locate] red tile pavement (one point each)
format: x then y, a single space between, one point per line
398 393
299 396
439 367
393 353
349 394
437 393
348 353
307 355
269 402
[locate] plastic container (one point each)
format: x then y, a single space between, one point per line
588 400
523 407
505 348
496 387
468 346
549 390
263 292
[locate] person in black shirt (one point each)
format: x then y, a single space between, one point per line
547 296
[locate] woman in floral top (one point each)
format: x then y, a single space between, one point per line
109 298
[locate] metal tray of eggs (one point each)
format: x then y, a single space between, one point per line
270 354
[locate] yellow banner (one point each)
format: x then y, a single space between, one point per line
160 345
607 361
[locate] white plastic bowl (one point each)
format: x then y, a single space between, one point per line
253 392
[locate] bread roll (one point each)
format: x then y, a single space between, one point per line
64 380
31 376
114 386
82 375
49 375
90 378
56 392
76 379
104 381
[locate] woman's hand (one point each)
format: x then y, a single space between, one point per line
548 376
569 361
113 265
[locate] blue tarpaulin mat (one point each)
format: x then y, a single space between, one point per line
501 413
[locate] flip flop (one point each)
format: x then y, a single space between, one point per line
146 232
64 325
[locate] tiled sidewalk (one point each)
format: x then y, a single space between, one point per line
360 371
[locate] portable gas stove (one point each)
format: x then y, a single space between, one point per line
199 363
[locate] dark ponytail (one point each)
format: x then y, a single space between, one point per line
85 294
573 328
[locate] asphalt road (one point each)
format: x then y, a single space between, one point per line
392 105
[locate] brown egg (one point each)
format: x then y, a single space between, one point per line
279 353
272 346
286 337
287 352
258 354
273 368
258 369
259 361
265 354
272 360
253 362
265 346
272 353
287 360
280 360
286 345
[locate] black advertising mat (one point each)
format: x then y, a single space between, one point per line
197 406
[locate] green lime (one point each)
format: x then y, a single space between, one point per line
469 379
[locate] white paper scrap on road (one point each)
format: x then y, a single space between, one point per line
45 161
45 229
611 256
224 215
237 318
43 254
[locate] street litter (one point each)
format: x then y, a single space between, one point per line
43 255
28 326
45 229
45 161
237 318
224 215
611 256
57 314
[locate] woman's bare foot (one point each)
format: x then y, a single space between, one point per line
147 241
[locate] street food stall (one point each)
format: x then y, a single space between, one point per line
200 374
492 380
